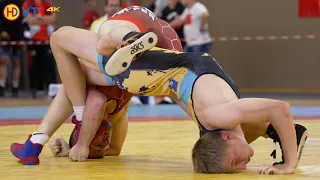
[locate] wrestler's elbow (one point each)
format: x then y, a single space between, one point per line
95 99
282 110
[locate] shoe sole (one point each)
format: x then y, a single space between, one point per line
302 143
30 161
122 58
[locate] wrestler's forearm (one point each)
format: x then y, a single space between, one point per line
284 126
90 124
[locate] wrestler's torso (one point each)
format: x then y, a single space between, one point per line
117 102
158 71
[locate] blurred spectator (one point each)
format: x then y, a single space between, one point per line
10 31
151 5
110 7
130 3
195 18
42 71
170 12
159 6
309 8
90 15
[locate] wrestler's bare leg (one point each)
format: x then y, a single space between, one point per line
111 34
67 43
59 110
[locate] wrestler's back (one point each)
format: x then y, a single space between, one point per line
117 98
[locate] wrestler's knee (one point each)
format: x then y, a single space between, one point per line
100 46
283 109
95 99
58 35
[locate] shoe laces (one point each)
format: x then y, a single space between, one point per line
274 153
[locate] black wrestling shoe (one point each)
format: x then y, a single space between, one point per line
133 45
301 133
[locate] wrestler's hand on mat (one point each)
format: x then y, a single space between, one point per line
59 147
277 169
79 153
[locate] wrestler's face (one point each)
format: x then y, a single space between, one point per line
112 7
238 153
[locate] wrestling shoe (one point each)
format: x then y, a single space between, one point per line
301 133
28 153
133 45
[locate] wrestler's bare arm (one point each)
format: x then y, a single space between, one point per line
60 148
254 110
92 116
252 131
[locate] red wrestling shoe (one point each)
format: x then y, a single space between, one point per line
28 153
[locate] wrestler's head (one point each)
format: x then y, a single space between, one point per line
112 6
221 152
99 144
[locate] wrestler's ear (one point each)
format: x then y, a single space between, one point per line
227 136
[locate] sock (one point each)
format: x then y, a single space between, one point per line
39 138
78 111
15 84
3 83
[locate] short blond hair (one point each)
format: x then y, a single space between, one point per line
208 154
